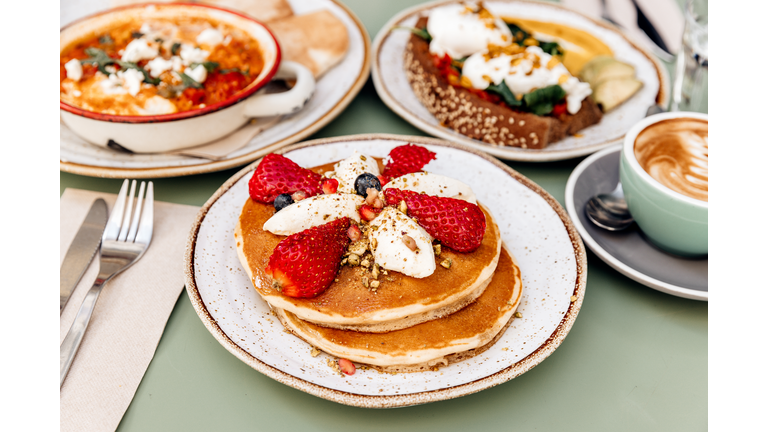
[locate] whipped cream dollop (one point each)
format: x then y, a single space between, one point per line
524 72
461 30
433 184
347 171
314 211
389 250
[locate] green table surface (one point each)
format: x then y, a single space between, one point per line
635 359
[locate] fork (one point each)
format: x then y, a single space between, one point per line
124 241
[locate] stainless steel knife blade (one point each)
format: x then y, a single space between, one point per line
82 250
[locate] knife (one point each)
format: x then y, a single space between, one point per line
644 24
82 250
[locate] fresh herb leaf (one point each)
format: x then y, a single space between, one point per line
187 81
175 48
551 48
505 93
102 60
106 40
518 34
542 101
226 71
422 32
208 65
136 35
159 40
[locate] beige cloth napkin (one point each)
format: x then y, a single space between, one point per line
128 320
665 15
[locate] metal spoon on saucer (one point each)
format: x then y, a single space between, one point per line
609 210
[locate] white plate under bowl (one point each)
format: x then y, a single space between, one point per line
389 78
628 251
534 228
334 91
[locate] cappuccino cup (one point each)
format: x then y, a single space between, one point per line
664 171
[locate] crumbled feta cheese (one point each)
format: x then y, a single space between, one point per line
158 65
74 69
178 64
198 74
210 37
112 85
132 79
137 50
145 29
189 54
227 40
77 93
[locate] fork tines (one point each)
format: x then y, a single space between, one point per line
126 224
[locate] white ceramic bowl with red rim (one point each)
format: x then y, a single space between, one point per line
168 132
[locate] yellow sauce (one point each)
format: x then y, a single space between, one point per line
579 45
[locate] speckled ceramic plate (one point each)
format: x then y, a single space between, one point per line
388 73
534 227
628 251
334 91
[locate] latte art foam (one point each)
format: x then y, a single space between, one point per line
675 152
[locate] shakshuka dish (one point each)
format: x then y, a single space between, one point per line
158 66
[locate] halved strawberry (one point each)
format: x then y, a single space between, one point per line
329 185
304 264
406 159
277 175
368 213
458 224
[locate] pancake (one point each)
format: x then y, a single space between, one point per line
399 302
429 345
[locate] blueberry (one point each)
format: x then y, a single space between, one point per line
282 201
365 181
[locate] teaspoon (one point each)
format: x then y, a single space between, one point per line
609 210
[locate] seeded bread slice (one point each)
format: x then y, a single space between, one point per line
477 118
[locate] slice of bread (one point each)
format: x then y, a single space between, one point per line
469 114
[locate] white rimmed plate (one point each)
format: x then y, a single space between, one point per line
389 78
334 91
534 227
628 251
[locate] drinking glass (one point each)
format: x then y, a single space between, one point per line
689 91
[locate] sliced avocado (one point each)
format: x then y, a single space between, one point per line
612 93
612 70
593 66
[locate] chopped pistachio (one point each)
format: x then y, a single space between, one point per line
402 207
375 271
365 263
573 298
353 259
375 284
518 314
447 263
438 249
365 281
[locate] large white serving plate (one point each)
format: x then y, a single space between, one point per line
388 72
334 91
534 228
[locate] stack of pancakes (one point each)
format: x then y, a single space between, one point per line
405 324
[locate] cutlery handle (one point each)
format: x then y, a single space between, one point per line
76 332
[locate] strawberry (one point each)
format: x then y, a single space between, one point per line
458 224
406 159
368 213
329 186
304 264
277 174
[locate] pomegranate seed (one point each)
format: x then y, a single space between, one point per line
354 233
329 185
347 366
368 213
382 179
299 195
